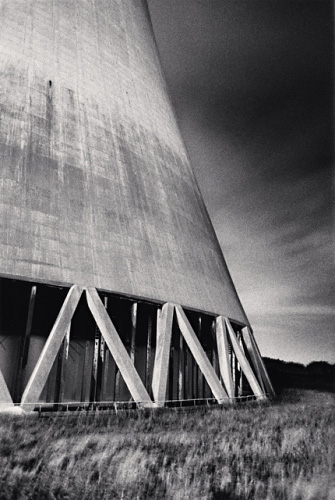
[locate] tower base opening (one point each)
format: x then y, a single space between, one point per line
85 374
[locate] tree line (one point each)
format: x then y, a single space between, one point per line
318 375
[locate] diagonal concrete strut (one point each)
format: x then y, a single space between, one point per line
6 401
258 361
117 349
51 348
200 356
244 364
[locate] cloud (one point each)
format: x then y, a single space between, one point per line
306 310
292 254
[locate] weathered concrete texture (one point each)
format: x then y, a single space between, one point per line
96 188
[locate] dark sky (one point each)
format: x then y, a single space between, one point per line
252 86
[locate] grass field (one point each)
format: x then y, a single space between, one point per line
280 451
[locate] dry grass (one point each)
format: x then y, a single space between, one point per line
279 451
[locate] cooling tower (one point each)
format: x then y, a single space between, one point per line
113 284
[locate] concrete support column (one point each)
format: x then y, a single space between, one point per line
181 371
200 377
224 358
133 331
148 377
162 356
62 358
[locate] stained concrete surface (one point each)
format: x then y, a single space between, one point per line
96 188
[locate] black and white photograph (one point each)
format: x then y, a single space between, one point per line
167 243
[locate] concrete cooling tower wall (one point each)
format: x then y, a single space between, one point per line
97 193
